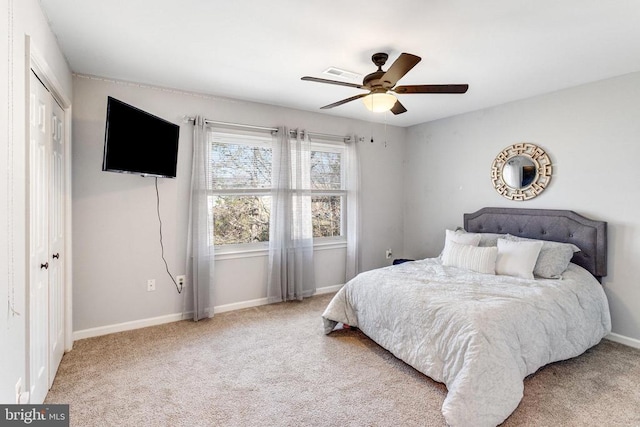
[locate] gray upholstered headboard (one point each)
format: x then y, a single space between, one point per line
545 224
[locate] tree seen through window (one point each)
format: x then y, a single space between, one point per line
240 181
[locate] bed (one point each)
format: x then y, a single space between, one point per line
481 334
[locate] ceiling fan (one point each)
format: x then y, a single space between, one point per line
382 84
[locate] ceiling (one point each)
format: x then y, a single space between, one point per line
258 50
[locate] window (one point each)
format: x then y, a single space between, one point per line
327 189
240 180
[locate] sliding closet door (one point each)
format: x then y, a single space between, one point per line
39 141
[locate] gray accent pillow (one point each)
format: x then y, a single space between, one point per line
554 257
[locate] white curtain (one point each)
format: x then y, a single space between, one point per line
352 185
291 274
200 248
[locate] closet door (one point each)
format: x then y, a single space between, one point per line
39 141
56 240
46 239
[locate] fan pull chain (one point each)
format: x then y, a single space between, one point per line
372 117
385 128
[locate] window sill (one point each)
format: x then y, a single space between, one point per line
328 243
239 252
262 250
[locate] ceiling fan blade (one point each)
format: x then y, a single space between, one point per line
344 101
333 82
399 68
431 89
398 108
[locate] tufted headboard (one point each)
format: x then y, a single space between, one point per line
546 224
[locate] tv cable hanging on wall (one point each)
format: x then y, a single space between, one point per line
178 287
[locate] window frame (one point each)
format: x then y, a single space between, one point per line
251 140
257 249
332 147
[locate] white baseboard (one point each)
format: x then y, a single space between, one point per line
240 305
264 301
631 342
328 289
127 326
153 321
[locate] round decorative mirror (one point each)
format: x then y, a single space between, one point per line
521 171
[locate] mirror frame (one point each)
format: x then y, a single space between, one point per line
541 161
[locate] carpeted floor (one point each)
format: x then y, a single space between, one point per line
273 366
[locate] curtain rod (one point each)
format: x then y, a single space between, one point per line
269 129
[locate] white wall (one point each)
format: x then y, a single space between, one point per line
18 19
116 247
592 135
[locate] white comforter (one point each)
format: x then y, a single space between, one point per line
479 334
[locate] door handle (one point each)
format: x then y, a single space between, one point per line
45 265
56 256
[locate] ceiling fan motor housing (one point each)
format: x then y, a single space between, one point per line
372 80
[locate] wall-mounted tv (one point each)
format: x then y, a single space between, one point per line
138 142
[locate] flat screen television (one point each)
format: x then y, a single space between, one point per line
138 142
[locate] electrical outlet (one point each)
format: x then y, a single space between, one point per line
151 285
181 280
388 254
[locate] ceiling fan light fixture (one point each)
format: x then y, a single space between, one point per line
379 102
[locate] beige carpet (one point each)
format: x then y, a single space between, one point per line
272 366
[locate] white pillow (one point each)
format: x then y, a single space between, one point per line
517 258
554 257
482 260
460 238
